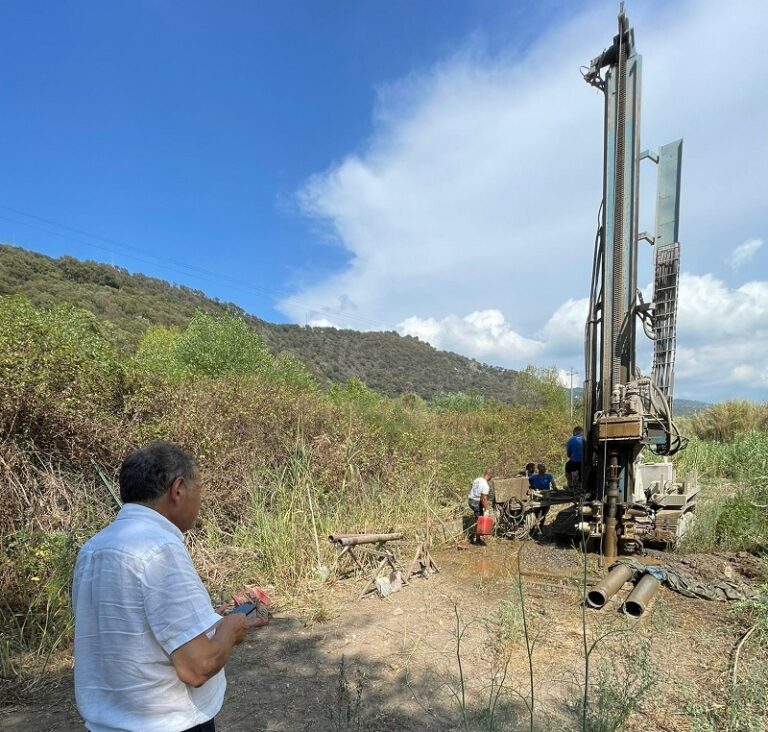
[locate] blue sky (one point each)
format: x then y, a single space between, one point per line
430 167
185 129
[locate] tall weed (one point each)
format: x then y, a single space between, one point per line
732 512
726 421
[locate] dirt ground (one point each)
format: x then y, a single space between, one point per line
401 652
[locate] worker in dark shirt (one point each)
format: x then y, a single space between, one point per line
543 482
574 449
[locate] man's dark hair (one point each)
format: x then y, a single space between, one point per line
577 429
147 473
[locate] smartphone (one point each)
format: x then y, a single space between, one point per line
247 608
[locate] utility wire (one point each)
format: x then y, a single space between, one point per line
171 265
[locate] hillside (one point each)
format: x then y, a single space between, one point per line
390 363
386 361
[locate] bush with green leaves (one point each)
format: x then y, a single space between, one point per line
208 346
732 511
61 380
458 402
213 346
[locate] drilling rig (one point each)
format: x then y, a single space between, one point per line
627 499
629 492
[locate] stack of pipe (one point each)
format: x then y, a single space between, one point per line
638 599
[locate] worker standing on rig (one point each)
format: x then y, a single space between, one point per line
574 449
478 500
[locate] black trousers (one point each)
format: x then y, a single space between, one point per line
209 726
573 466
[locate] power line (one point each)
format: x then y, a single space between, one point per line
173 265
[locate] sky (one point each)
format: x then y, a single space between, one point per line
433 168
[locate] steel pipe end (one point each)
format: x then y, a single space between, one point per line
638 599
633 608
596 599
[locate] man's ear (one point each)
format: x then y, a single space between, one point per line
174 492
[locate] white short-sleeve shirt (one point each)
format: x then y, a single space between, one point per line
479 487
137 598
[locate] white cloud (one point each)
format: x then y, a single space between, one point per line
484 334
564 331
322 323
469 218
744 253
722 337
739 368
569 379
709 311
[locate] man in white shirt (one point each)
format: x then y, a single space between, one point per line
478 500
149 648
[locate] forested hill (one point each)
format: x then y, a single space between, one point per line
390 363
385 361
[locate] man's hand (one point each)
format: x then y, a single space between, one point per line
235 625
203 657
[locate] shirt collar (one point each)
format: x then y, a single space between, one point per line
139 512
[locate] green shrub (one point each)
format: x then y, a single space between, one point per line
60 377
214 346
744 459
458 402
209 346
742 523
542 388
34 605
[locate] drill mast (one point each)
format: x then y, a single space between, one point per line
624 412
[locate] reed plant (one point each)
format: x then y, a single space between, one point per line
727 421
732 512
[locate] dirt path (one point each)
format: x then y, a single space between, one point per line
402 652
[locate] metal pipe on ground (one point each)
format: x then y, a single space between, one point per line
604 590
354 540
638 599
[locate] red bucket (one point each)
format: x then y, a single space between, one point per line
485 525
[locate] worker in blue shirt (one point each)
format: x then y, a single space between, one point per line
543 482
574 449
